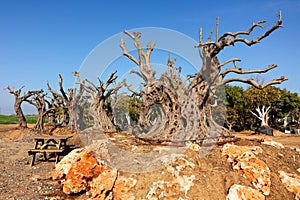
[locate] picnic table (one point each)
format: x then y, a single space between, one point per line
49 144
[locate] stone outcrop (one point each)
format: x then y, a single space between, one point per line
80 171
84 169
273 143
240 192
245 163
185 174
291 182
180 184
62 168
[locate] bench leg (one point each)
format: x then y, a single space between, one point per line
45 156
57 157
33 159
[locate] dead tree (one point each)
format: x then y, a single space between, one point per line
263 115
64 100
18 102
51 112
78 105
187 110
38 100
100 108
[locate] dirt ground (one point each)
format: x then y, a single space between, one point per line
18 180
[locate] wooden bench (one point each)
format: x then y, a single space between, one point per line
33 152
48 144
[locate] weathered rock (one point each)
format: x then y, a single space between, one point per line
122 188
177 166
240 192
109 183
80 173
291 182
103 183
254 170
63 167
231 152
245 162
296 149
180 184
194 147
168 189
273 143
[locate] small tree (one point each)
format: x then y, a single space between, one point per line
38 100
19 99
262 101
64 101
100 107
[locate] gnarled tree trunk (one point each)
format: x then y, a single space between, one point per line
18 102
100 104
186 111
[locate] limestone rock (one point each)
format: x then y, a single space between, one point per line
245 162
168 189
63 167
231 152
84 169
122 188
240 192
254 170
103 183
81 171
291 182
273 143
194 147
178 186
109 182
295 149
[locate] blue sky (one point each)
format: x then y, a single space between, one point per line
41 39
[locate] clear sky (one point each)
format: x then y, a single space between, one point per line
41 39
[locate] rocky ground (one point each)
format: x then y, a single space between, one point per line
18 180
212 175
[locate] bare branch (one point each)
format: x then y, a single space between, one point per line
61 89
234 35
143 60
241 71
200 36
125 52
229 61
139 74
254 83
129 87
114 89
110 80
217 28
230 38
210 35
54 93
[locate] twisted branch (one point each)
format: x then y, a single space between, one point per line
254 83
229 38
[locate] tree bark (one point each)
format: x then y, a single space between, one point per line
19 112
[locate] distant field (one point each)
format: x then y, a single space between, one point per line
12 119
